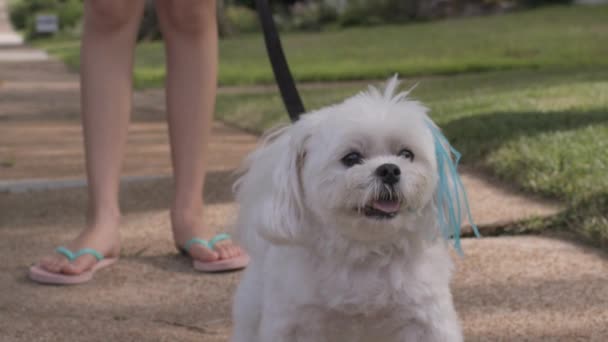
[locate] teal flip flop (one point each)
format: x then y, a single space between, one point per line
40 275
231 264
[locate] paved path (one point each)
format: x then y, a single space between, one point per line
506 289
35 135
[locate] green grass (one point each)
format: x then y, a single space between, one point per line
526 99
564 37
545 131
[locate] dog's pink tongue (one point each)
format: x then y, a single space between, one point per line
386 206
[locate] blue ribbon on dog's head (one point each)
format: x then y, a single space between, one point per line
451 195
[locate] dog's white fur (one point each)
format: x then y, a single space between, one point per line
323 271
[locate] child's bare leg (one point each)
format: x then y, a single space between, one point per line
190 33
108 42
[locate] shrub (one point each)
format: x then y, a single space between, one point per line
149 28
534 3
371 12
305 16
241 19
18 13
70 13
368 12
327 13
23 13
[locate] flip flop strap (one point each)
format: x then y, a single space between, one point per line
208 244
197 241
218 238
73 256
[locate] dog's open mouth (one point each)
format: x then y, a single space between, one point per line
382 209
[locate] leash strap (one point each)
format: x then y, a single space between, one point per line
280 68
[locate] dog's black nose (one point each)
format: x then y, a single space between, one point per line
388 173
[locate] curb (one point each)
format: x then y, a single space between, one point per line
33 185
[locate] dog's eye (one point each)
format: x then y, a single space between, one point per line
352 159
407 154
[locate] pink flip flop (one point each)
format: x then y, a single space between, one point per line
231 264
40 275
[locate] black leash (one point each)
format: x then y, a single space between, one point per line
287 86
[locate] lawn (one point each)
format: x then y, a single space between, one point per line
523 96
545 131
551 37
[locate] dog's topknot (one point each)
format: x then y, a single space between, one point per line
390 93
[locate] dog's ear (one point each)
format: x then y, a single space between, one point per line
287 208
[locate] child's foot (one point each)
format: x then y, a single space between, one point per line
101 236
186 227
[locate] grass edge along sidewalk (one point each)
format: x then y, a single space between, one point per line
548 37
544 131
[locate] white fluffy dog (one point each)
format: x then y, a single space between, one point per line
342 215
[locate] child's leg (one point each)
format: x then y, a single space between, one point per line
108 42
190 33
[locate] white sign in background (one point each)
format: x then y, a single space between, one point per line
47 23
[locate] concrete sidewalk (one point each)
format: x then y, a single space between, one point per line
41 143
531 288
